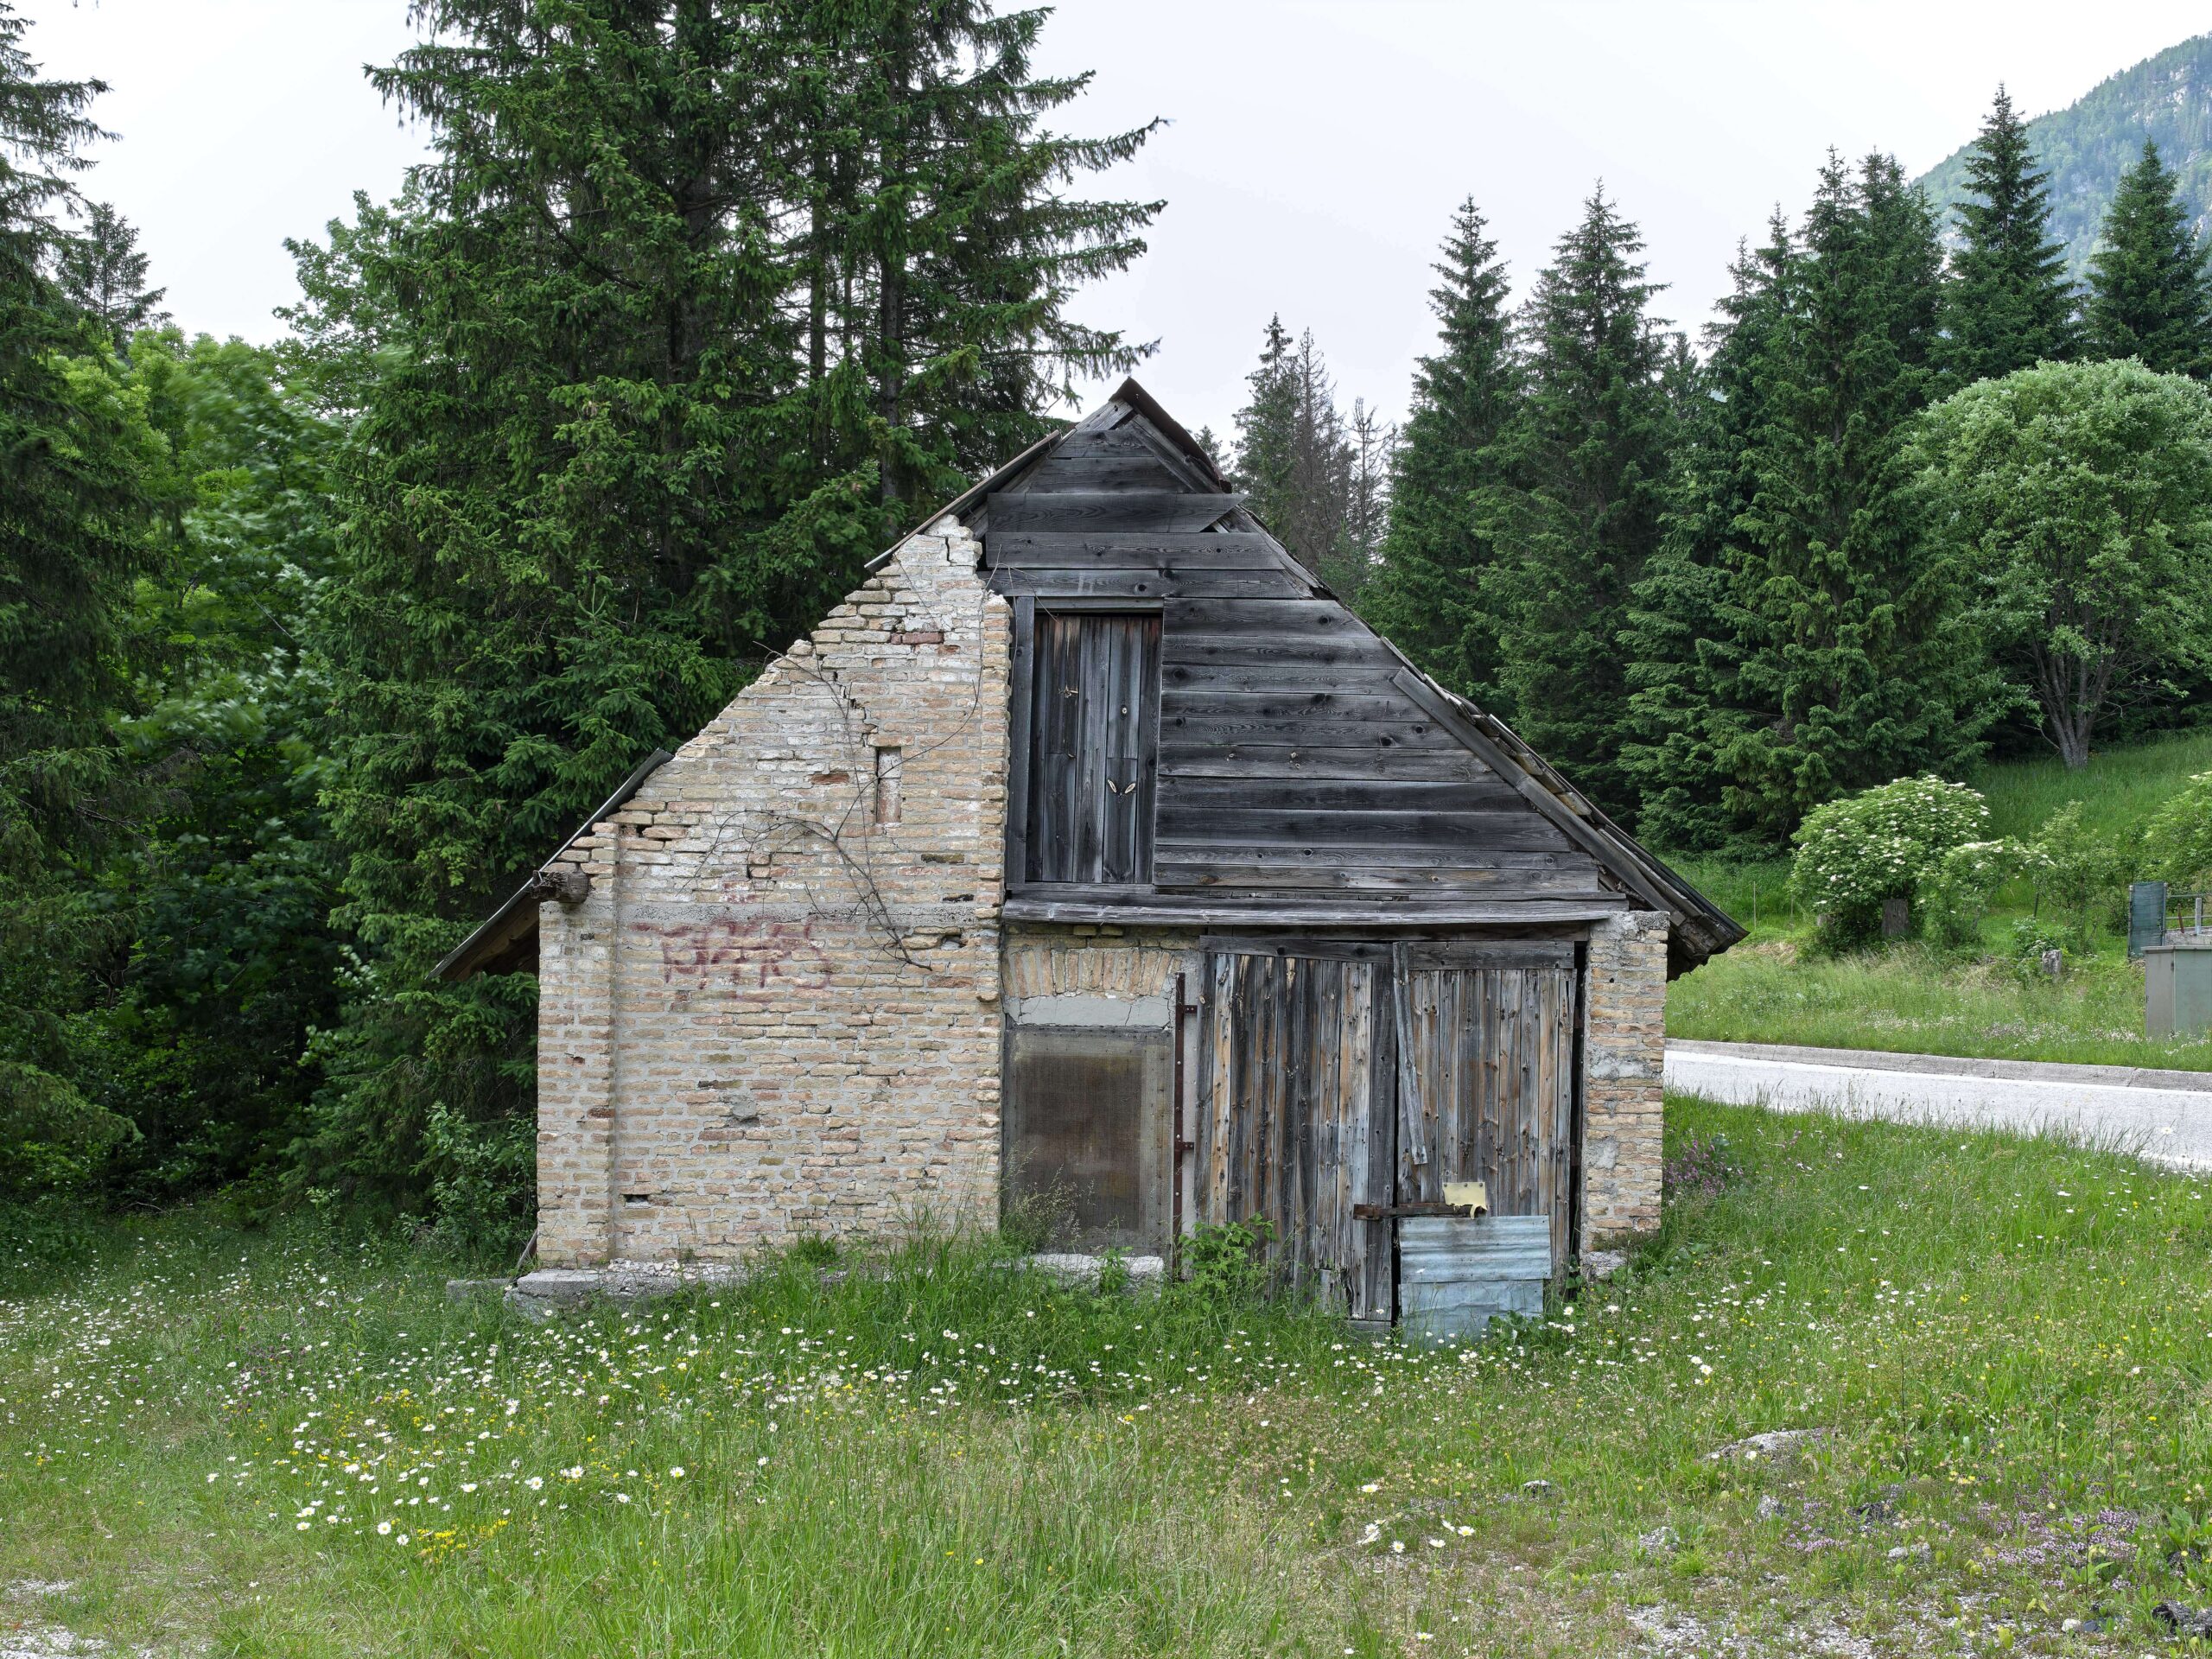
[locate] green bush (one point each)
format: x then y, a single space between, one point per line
2177 841
1227 1262
2077 867
1954 898
1882 843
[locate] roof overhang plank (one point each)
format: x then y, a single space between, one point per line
498 945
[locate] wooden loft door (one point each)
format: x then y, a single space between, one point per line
1093 756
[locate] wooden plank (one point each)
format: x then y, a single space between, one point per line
1095 511
1319 795
1231 705
1413 1144
1380 1252
1290 730
1511 830
1566 862
1200 910
1220 1083
1109 438
1266 648
1062 471
1279 675
1018 741
1186 757
1556 954
1207 872
1145 734
1310 946
1291 620
1212 550
1150 584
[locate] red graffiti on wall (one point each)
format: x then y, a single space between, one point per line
759 950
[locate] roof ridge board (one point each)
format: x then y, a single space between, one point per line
1132 392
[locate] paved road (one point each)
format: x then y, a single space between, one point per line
2165 1116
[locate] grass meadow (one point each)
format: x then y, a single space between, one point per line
1909 998
213 1441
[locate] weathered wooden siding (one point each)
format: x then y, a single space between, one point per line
1296 762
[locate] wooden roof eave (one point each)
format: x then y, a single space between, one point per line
1698 923
497 938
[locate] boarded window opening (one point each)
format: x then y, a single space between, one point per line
1094 737
1087 1119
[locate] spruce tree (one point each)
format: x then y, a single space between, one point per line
1267 429
694 309
1584 463
947 211
2008 304
76 463
103 274
1295 460
1686 636
2150 289
1426 594
1370 442
1803 626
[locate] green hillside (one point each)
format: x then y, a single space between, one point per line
2086 146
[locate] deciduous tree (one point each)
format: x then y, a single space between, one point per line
2078 499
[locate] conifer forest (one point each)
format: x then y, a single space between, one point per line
309 651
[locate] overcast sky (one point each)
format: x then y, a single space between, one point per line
1314 150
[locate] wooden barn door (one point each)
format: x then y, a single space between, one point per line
1486 1076
1294 1126
1354 1075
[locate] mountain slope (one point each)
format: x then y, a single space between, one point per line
2086 145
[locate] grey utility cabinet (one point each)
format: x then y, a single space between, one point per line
2177 988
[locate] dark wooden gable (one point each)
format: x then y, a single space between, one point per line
1301 763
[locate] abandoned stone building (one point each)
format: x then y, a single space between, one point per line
1093 849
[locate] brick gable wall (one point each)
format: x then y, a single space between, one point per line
774 1015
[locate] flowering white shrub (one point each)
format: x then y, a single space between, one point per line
1879 844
